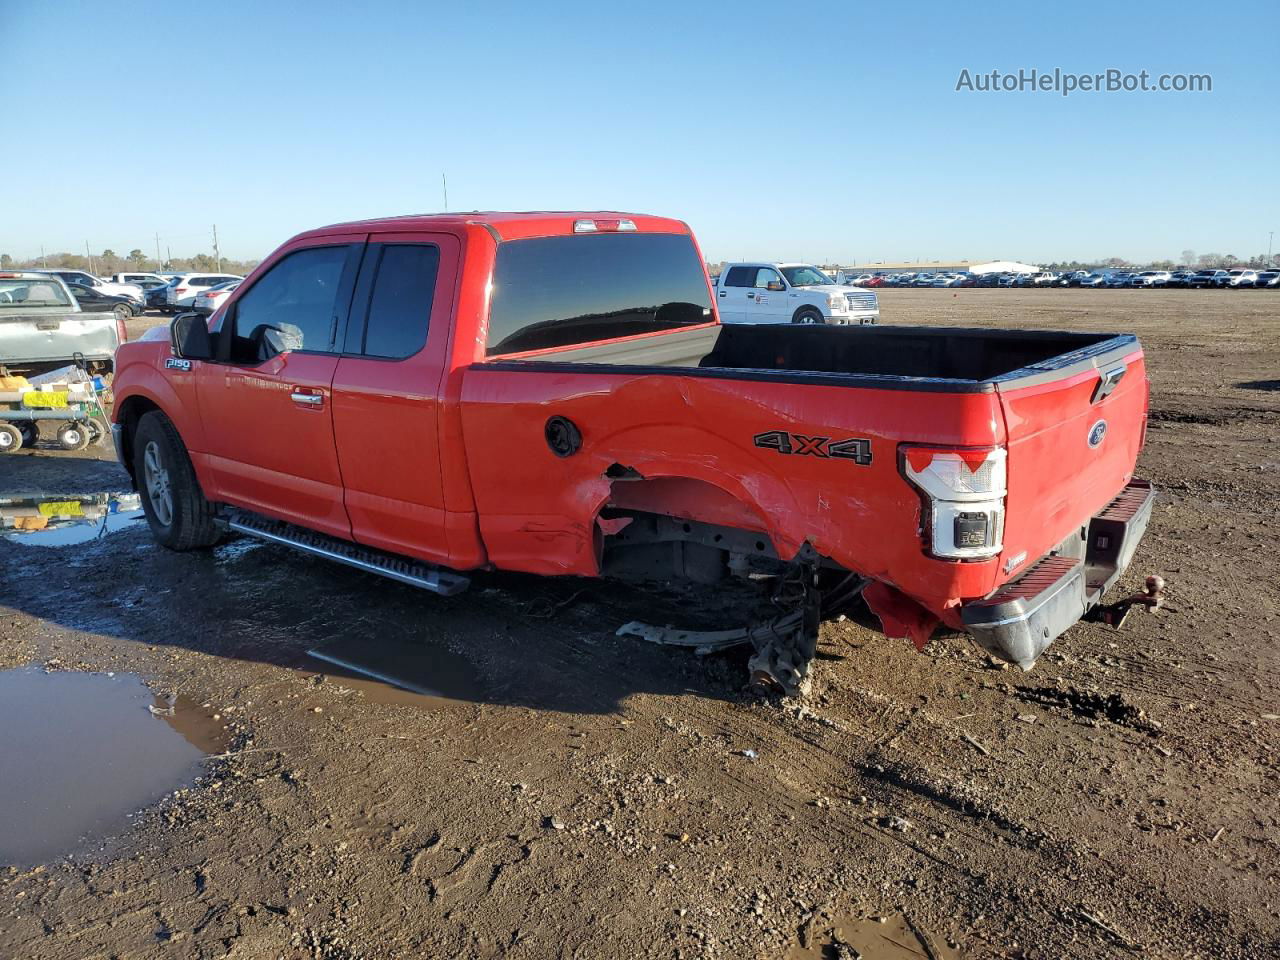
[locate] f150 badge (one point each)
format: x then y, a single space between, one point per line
173 363
859 451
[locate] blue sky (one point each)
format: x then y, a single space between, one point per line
807 131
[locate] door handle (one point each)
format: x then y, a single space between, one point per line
723 292
307 397
751 296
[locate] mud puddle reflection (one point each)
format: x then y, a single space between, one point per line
399 671
67 520
877 938
80 752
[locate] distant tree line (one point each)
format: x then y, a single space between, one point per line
109 262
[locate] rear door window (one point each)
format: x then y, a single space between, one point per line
393 297
740 277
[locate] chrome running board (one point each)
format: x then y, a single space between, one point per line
403 569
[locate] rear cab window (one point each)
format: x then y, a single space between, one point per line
562 291
18 293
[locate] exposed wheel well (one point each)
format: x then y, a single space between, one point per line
661 527
132 410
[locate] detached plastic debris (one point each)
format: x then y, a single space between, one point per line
702 641
166 711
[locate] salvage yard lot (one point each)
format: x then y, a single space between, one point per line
579 795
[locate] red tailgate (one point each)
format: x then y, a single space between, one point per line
1072 447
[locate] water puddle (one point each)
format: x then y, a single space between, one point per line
876 938
399 671
67 520
80 752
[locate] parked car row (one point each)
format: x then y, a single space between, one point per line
129 294
183 290
1181 279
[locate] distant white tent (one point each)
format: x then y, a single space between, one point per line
1003 266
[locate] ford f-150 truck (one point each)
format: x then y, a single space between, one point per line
554 393
789 293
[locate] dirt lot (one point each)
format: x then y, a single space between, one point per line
579 795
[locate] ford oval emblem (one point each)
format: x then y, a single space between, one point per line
1097 433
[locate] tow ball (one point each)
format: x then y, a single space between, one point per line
1114 614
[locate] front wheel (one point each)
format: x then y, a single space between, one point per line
176 509
122 311
807 315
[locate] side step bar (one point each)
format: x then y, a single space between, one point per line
390 565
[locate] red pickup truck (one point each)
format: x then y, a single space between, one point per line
553 393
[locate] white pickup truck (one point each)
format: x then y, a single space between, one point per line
42 327
789 293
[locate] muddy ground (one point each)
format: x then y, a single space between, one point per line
577 795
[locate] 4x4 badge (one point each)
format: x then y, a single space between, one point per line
857 450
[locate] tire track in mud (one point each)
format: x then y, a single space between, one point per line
1111 707
817 770
969 823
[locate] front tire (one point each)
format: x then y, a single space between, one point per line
177 512
808 315
122 311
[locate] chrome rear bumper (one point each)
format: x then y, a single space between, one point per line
1024 616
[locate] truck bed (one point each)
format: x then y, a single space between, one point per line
950 359
694 404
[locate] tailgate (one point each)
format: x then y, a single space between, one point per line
58 337
1075 425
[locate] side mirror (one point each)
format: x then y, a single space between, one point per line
190 337
775 286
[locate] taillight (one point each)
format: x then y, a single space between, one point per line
964 490
122 332
602 226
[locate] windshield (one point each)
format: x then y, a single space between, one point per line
557 291
806 277
32 293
